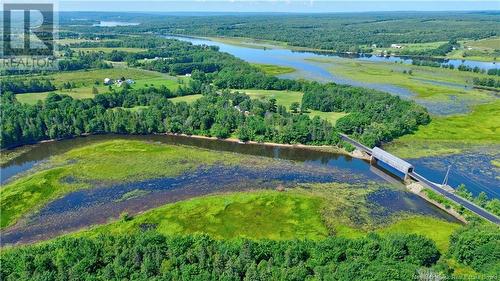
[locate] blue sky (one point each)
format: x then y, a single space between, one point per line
294 6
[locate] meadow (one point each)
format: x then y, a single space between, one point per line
286 98
103 163
452 134
481 50
84 82
412 47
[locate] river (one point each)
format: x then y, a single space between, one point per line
472 169
306 68
293 165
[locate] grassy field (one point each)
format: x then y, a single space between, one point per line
188 99
272 69
480 50
105 163
256 215
453 134
84 81
429 83
409 47
286 98
437 230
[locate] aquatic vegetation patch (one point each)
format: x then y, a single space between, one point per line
311 211
452 134
272 69
255 215
103 164
435 229
132 194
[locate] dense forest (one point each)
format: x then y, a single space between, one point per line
147 255
338 32
375 116
151 256
219 113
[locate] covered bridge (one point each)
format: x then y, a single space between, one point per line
393 161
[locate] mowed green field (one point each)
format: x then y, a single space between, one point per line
188 99
84 81
286 98
452 134
108 162
412 47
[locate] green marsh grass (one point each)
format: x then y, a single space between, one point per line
272 69
452 134
254 215
103 163
424 81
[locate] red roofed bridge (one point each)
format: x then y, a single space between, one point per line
377 154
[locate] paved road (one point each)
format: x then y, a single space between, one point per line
457 199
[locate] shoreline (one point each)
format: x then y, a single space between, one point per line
323 148
417 189
249 42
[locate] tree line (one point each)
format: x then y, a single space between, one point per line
349 32
374 117
218 114
18 85
149 255
486 82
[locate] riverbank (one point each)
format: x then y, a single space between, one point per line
418 189
380 52
11 153
107 163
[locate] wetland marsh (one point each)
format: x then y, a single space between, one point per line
102 177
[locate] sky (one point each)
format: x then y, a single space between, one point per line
290 6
